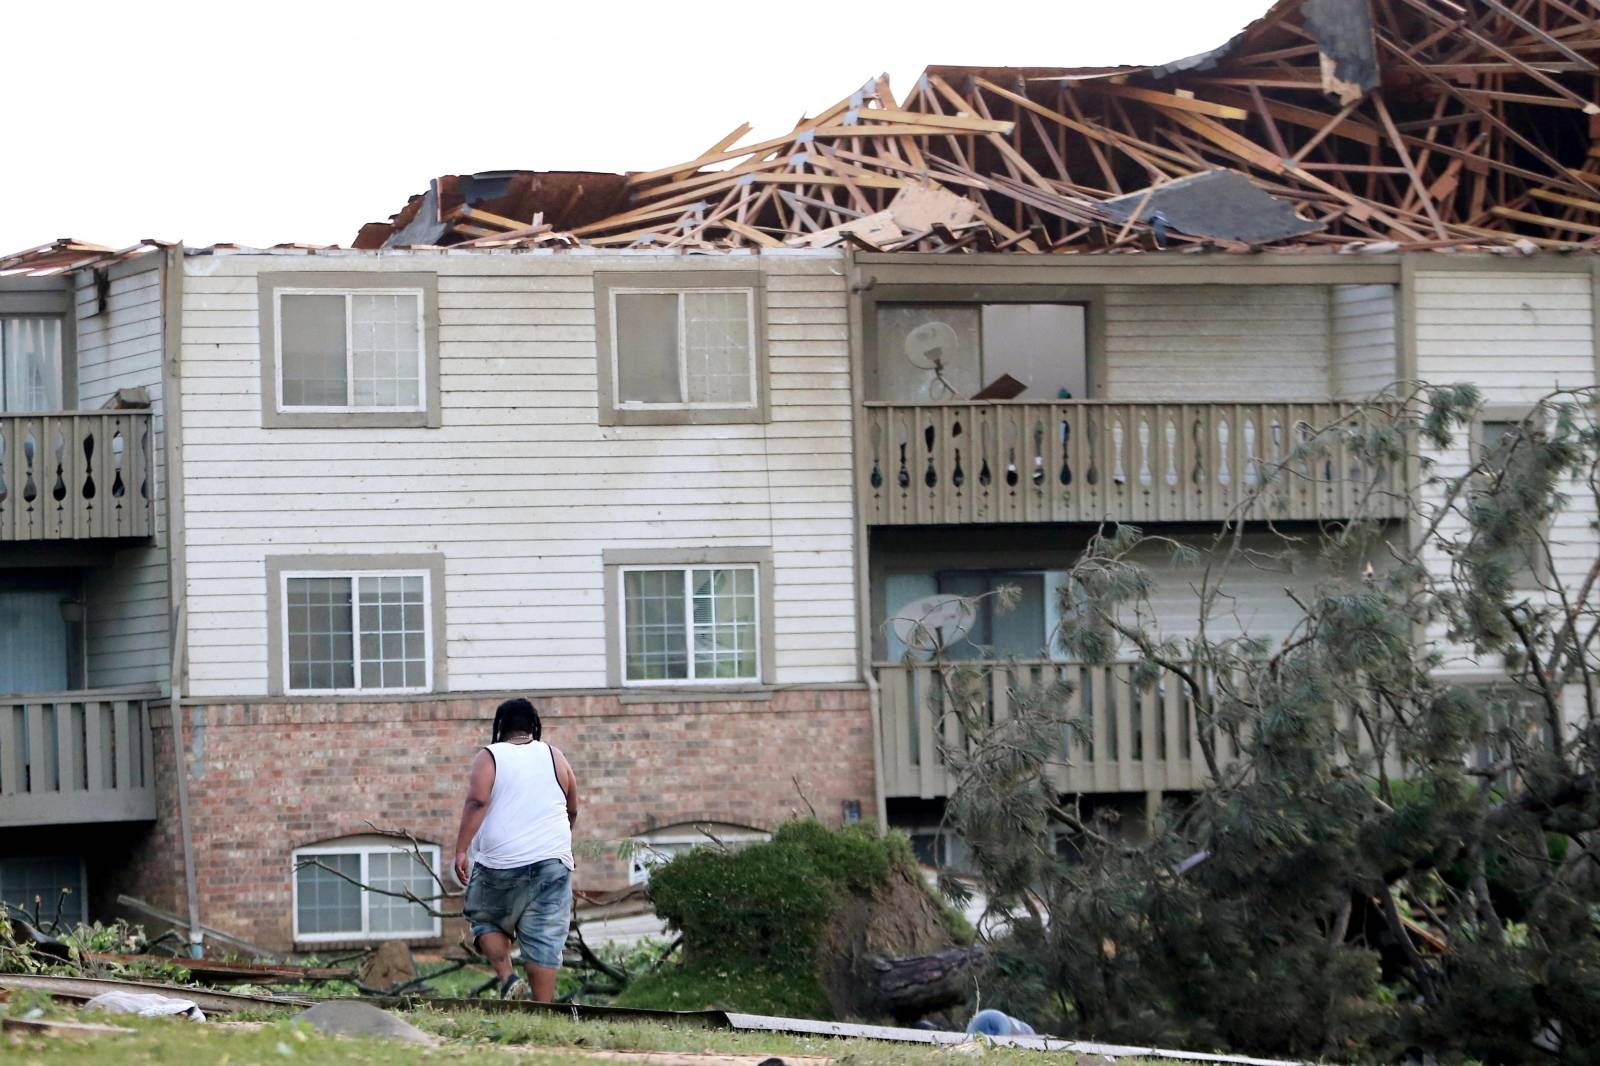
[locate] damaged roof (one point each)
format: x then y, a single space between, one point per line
66 254
1325 125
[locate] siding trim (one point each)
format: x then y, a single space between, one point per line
614 559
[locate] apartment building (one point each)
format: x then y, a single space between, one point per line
84 564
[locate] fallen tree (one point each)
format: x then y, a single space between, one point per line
1390 854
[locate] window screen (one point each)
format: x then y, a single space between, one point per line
396 871
647 348
311 336
350 350
393 632
324 901
319 631
691 348
30 364
698 624
45 887
377 641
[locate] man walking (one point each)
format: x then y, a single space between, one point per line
514 850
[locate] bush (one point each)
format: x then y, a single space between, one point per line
752 919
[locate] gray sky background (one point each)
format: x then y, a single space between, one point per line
298 121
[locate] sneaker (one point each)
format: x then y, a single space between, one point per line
515 987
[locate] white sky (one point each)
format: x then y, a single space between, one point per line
298 121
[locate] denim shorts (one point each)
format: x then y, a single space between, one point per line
532 903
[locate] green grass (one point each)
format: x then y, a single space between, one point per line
491 1038
728 986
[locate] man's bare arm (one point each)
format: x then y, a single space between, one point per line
569 784
480 783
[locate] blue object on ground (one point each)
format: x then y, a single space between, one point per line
998 1023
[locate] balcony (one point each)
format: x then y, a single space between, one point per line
76 475
76 757
983 462
1139 739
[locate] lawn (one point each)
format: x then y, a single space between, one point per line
478 1036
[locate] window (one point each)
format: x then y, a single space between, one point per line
1495 437
338 351
356 624
658 846
44 887
349 349
679 346
961 351
331 904
686 617
691 624
362 632
30 363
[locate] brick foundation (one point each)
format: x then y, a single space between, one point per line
268 778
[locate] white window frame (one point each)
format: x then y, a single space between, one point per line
355 576
648 846
365 850
753 404
349 349
687 569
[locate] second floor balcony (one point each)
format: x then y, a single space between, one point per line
76 475
76 757
981 462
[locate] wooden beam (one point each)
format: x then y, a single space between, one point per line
1169 100
948 122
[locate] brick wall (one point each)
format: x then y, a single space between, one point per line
268 778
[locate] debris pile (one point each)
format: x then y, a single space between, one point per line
1325 125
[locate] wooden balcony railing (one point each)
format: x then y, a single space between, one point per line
1136 739
1116 735
1091 461
76 757
76 475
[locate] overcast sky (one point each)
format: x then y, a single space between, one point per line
298 121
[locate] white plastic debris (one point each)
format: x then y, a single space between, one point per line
145 1004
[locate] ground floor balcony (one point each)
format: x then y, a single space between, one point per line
990 462
76 757
76 475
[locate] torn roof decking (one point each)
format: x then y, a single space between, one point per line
1428 123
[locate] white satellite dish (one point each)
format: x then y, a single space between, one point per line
933 622
931 345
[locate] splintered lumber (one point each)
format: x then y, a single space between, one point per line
1421 124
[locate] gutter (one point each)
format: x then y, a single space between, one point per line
177 579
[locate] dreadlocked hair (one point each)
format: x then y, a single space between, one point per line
516 716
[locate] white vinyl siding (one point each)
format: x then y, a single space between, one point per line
520 488
350 350
332 906
1363 341
1231 343
1516 335
121 348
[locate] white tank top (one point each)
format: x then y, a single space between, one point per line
527 819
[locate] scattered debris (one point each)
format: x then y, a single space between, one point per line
998 1023
350 1017
75 1030
83 989
390 966
146 1005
